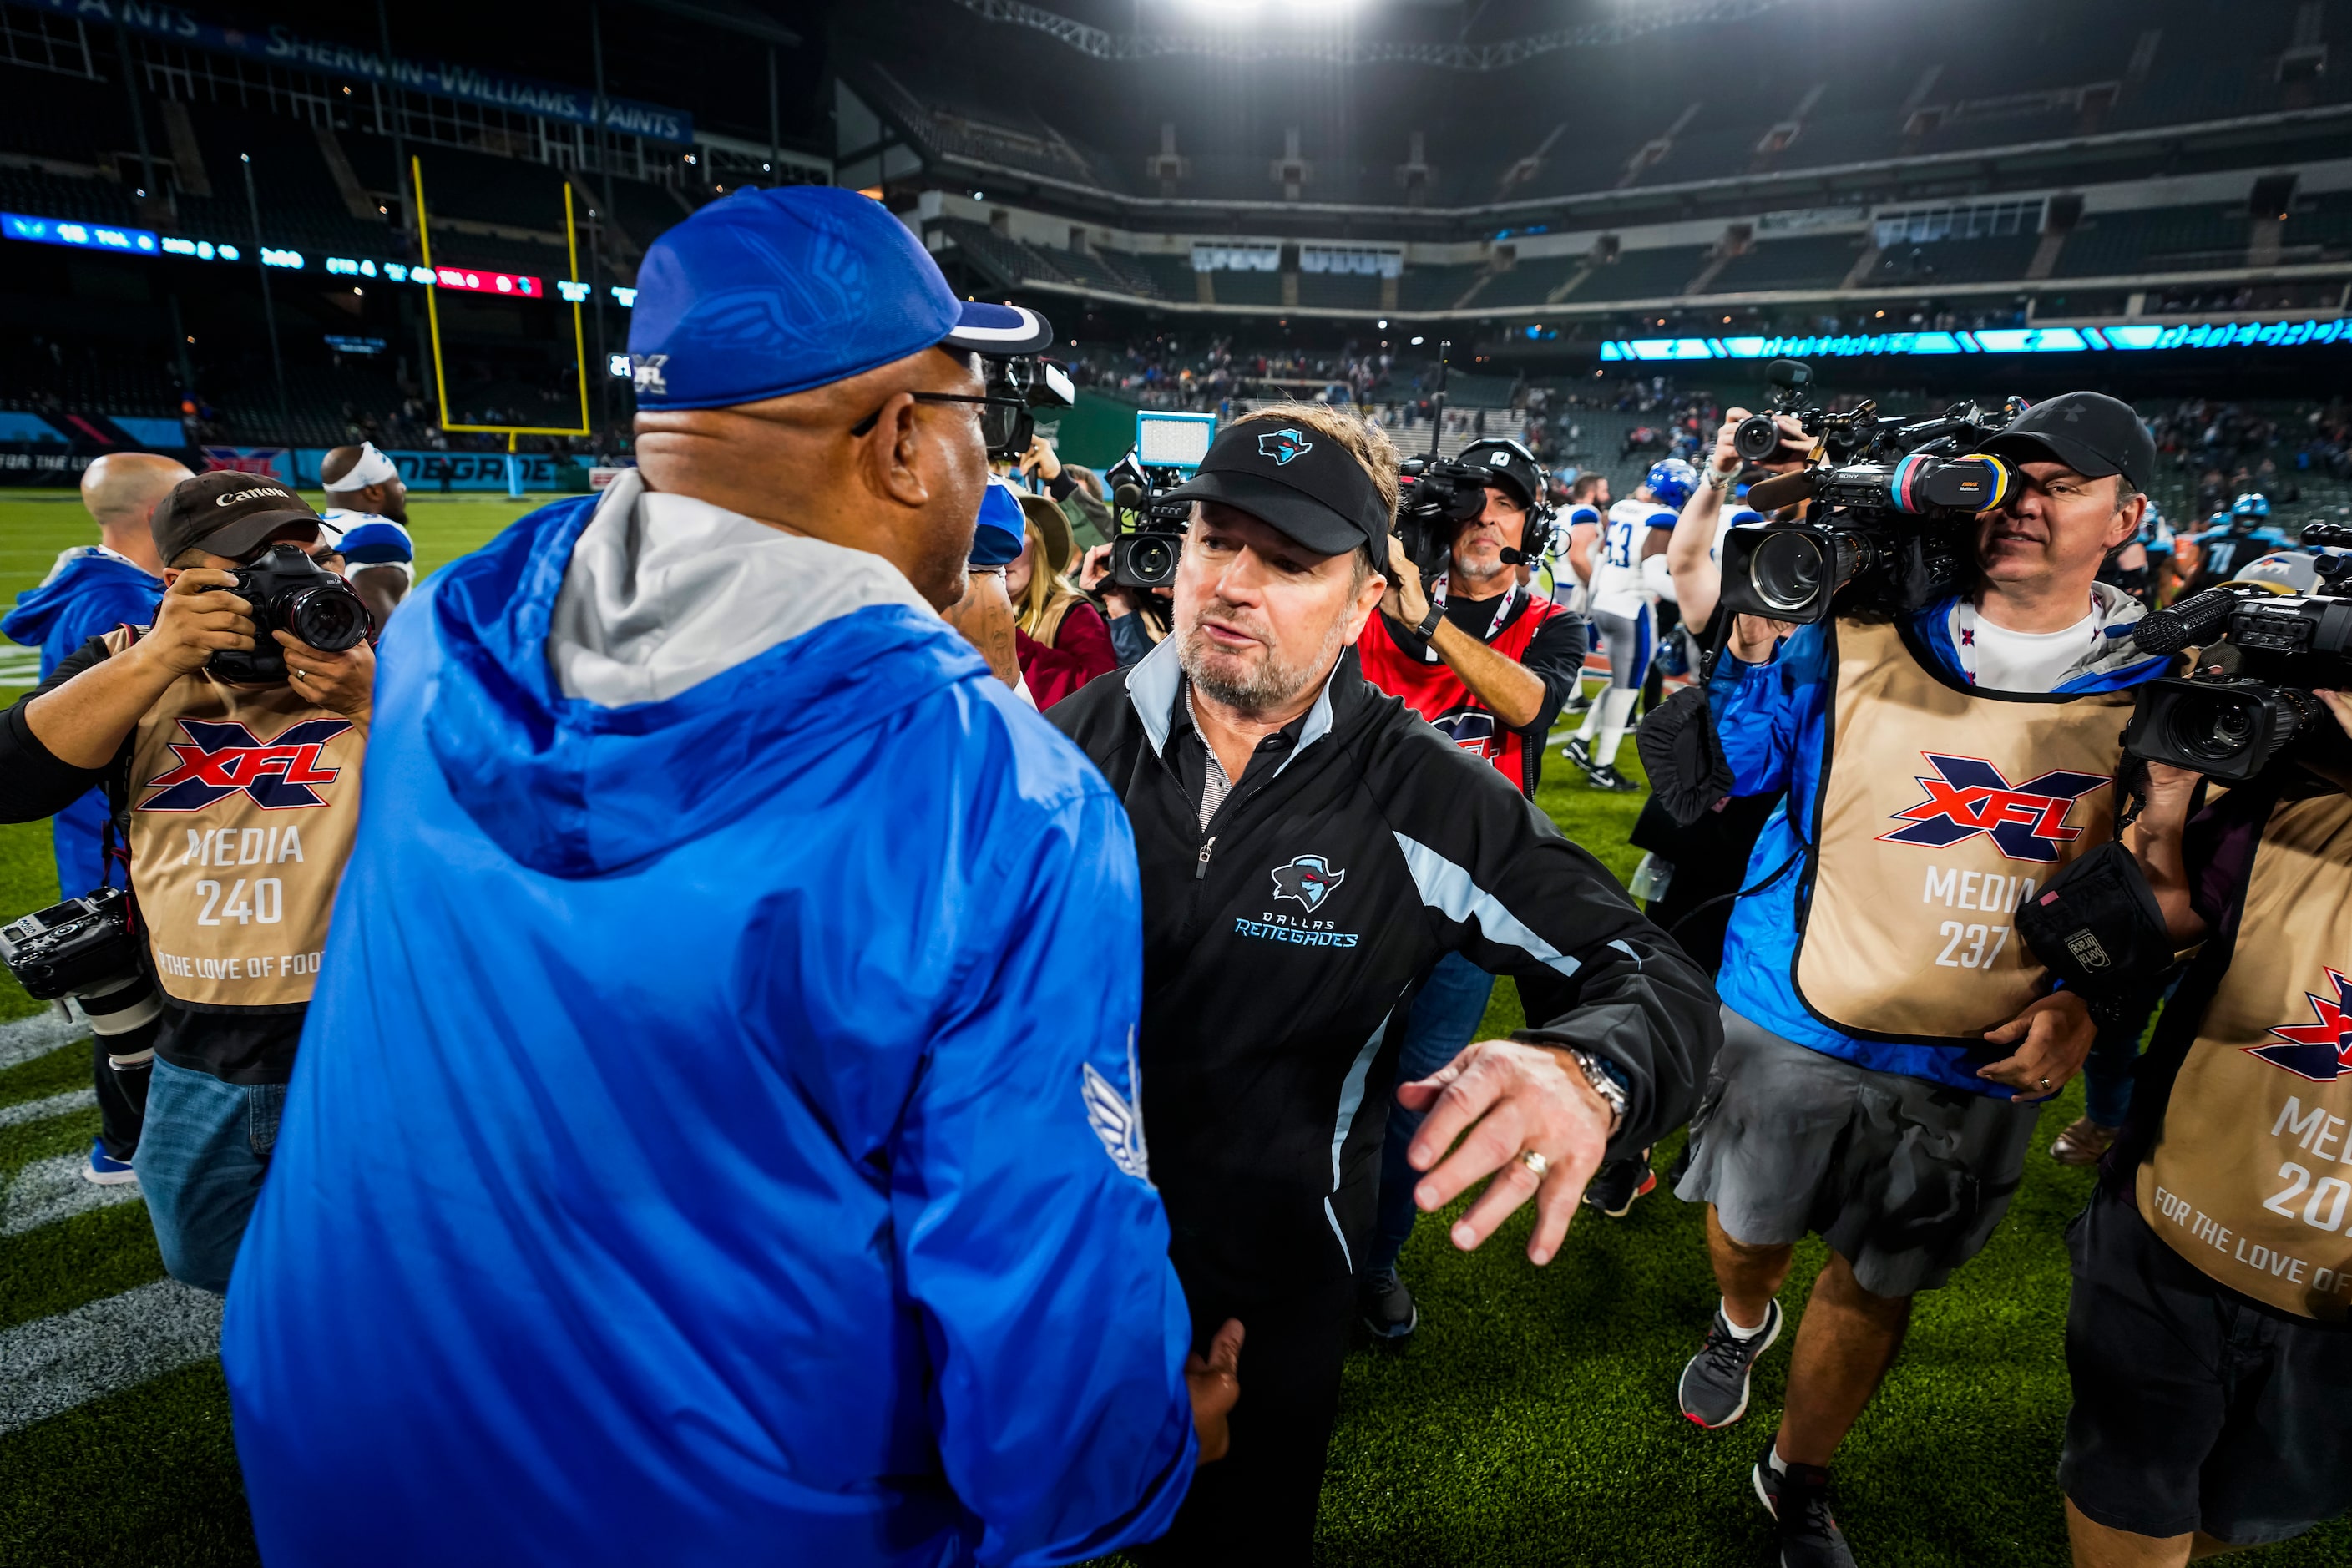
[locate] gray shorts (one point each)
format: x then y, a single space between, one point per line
1905 1179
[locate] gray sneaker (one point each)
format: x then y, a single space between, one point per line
1713 1389
1807 1532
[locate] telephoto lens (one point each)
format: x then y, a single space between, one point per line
1790 572
2228 730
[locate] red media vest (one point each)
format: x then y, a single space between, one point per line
1438 695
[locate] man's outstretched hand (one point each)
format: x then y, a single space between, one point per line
1217 1384
1501 1100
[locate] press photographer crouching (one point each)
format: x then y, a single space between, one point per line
2209 1333
1946 725
1490 664
230 748
1310 849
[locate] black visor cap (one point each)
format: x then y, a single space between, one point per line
1294 479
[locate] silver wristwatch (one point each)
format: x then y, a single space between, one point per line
1611 1094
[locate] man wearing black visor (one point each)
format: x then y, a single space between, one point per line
1310 848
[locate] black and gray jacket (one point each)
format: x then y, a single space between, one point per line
1282 945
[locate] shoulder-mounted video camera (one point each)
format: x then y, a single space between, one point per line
290 592
1014 388
2285 630
1438 497
1891 511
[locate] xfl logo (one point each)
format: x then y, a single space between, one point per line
1967 795
219 759
2320 1051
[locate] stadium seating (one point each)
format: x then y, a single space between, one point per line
1339 290
1983 260
1810 261
1644 274
2156 239
49 115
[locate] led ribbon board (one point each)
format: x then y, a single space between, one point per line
1990 340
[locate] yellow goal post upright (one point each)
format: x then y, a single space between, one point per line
432 324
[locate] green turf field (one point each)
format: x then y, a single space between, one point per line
1530 1421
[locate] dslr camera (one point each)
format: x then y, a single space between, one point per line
1891 521
2251 698
1758 436
84 948
291 593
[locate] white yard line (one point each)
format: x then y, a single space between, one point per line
47 1191
22 1040
64 1104
51 1365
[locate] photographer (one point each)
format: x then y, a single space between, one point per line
91 590
720 1143
1883 1060
2208 1336
235 801
1489 664
1310 850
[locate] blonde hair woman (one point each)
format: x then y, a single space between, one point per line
1059 636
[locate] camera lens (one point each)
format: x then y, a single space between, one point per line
1152 560
1787 571
1757 438
2212 729
330 617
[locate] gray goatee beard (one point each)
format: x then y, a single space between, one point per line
1270 684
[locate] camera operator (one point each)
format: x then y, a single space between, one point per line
1310 850
1139 617
1884 1061
1489 664
236 802
369 526
90 590
720 1143
2207 1336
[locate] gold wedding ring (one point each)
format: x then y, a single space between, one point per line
1536 1163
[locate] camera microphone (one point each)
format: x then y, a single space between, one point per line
1128 498
1518 558
2191 623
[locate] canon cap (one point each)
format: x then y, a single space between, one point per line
227 513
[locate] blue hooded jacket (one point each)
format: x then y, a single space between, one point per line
712 1140
88 592
1772 720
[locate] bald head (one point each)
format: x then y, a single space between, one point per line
908 489
120 490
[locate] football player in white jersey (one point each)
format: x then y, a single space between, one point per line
1568 559
369 522
1618 599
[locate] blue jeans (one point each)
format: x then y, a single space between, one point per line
202 1155
1444 1019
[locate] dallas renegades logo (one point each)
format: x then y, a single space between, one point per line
1967 795
2322 1051
219 759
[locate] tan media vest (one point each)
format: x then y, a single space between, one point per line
1940 808
242 804
2252 1178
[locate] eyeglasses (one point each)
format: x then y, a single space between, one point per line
1013 406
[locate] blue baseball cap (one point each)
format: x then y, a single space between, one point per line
998 535
769 292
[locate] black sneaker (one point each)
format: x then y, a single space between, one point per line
1616 1186
1606 777
1385 1305
1799 1501
1714 1387
1577 752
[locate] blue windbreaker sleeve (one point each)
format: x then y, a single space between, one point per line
1029 1235
1761 710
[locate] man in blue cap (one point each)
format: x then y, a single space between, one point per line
707 1152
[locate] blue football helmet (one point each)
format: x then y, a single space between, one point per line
1671 483
2253 503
